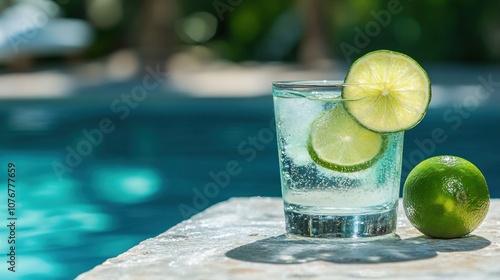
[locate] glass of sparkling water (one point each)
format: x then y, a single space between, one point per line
338 179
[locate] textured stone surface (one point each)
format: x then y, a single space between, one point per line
243 239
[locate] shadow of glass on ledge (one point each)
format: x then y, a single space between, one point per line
283 250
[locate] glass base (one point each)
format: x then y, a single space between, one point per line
340 226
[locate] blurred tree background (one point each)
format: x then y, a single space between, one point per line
283 30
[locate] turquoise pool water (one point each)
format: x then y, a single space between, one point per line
82 197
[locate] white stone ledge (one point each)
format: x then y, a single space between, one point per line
242 238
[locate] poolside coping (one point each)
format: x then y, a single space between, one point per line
243 238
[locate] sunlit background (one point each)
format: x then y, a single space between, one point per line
119 114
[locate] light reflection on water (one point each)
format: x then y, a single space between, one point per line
59 225
125 185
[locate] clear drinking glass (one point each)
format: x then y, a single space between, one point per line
321 202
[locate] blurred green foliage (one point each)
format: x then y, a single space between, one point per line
432 30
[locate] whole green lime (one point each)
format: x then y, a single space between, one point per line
446 197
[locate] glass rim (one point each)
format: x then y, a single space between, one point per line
319 84
305 84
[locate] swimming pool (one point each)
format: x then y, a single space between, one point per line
91 184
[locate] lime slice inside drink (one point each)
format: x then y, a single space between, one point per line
391 90
339 143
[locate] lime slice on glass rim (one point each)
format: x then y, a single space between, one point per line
339 143
392 91
384 92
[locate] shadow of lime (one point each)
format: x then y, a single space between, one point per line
283 250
